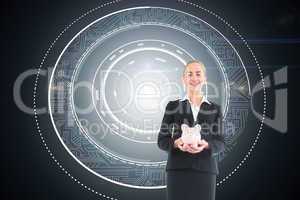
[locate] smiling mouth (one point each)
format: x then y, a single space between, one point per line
194 84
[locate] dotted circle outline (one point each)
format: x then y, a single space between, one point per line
263 83
114 2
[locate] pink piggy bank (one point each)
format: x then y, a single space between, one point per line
190 135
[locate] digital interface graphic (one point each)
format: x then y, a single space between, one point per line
93 82
119 72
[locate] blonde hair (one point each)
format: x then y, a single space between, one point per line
195 61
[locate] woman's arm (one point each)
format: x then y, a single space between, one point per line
165 140
216 140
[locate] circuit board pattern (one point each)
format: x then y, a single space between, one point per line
86 53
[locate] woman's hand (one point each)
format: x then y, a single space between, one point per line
178 143
202 144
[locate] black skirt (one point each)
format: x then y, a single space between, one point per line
189 184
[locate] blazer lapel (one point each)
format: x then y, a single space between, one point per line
188 114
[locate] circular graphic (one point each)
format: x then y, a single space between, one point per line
110 85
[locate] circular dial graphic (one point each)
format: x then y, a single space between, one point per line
110 86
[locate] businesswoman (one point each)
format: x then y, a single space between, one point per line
191 171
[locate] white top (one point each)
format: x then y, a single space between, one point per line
195 109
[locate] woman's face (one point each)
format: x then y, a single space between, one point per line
194 77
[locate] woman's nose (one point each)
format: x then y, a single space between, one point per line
194 78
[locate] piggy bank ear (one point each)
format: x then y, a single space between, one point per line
198 127
184 127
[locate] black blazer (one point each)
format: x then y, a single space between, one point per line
210 118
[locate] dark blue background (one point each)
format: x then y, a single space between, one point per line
29 27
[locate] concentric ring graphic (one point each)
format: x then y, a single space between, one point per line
112 81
